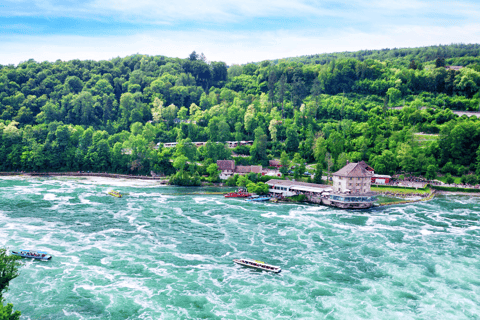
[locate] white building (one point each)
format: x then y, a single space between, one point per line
288 188
353 178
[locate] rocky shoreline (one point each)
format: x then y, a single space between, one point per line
162 180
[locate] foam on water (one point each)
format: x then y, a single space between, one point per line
156 255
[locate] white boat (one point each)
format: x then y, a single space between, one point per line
38 255
257 265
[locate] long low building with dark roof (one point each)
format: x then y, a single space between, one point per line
288 188
351 188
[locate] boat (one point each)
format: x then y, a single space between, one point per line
115 193
258 198
38 255
238 194
257 265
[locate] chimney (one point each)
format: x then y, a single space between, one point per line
348 162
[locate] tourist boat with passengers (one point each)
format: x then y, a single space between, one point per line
257 265
115 193
38 255
238 194
257 198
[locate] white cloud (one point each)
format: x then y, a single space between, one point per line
231 47
154 11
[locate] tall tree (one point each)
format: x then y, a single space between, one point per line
272 80
318 174
282 88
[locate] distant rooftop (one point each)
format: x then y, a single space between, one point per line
356 170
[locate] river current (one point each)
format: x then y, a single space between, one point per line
164 252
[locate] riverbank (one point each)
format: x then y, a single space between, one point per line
393 193
162 180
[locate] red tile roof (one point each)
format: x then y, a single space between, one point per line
226 165
358 170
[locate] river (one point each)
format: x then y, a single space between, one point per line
164 252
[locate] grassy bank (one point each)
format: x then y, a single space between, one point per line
401 190
453 189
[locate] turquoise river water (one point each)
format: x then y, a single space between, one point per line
166 253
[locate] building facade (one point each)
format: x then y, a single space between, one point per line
351 187
353 178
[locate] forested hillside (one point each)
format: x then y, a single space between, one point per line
110 115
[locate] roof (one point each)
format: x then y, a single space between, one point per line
456 68
289 183
309 189
248 169
226 164
256 169
273 163
365 165
357 170
382 176
242 169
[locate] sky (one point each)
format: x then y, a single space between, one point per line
232 31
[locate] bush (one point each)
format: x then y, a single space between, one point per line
298 198
245 150
460 170
232 180
449 168
453 189
469 179
184 179
243 161
258 188
449 179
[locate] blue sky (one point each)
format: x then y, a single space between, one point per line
226 30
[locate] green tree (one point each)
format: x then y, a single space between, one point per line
243 181
9 265
320 149
180 162
299 165
6 312
249 119
318 174
393 95
292 142
478 161
258 151
449 179
284 162
213 171
431 172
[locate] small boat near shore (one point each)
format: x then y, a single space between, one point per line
257 265
38 255
258 198
115 193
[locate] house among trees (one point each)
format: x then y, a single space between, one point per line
228 168
455 68
274 163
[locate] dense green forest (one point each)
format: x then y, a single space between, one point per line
391 108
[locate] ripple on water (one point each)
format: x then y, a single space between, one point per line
154 254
